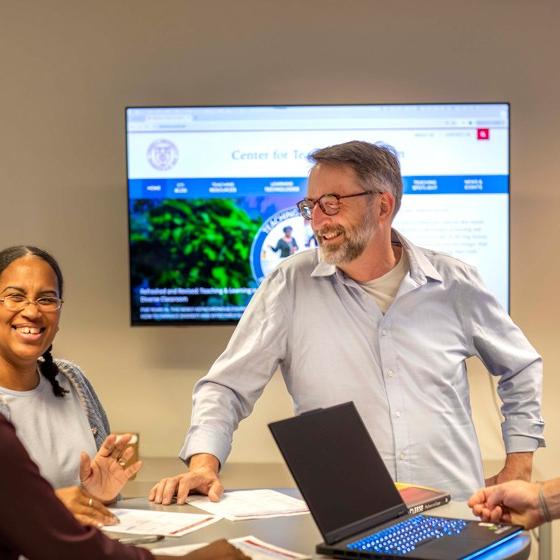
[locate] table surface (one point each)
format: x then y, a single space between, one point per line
297 533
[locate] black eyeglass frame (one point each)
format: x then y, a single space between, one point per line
306 210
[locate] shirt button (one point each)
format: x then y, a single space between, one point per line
402 456
384 332
391 373
398 414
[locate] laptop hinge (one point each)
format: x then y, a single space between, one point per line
367 523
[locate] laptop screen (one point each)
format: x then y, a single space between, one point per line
336 466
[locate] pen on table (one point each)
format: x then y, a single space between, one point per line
140 539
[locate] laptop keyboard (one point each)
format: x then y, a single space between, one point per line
404 537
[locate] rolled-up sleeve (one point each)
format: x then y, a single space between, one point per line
506 353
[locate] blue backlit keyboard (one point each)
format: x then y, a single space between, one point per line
404 537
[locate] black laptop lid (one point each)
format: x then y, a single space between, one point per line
338 470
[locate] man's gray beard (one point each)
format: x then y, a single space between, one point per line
352 246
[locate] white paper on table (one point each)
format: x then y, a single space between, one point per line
236 505
251 546
178 550
167 523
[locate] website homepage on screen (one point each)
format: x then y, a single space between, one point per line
212 189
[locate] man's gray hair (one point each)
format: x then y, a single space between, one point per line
376 165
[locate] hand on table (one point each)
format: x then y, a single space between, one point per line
86 509
202 477
105 475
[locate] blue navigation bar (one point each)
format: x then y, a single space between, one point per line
216 188
278 186
456 184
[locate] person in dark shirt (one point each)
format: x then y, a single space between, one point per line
36 524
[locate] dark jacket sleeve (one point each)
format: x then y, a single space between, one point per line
35 523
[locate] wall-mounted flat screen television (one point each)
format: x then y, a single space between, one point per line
212 188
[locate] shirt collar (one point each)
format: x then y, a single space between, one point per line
420 267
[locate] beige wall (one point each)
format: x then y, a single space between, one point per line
69 69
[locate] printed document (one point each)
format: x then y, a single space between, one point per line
251 546
148 522
251 504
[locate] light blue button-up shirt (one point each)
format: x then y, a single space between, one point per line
404 370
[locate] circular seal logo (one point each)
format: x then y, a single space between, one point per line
163 154
281 235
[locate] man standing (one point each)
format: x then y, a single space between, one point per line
370 318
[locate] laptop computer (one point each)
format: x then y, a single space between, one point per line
353 499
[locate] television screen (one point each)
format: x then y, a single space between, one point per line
211 190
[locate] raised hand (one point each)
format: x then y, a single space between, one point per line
105 475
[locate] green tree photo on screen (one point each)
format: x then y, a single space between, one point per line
192 243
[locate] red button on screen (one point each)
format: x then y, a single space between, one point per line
483 134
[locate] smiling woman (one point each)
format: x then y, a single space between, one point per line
57 414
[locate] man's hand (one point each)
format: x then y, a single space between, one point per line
518 466
86 509
105 475
202 477
512 502
218 550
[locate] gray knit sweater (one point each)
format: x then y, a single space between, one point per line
88 399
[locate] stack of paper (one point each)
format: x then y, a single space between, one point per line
251 504
251 546
148 522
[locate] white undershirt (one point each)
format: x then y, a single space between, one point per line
384 289
52 429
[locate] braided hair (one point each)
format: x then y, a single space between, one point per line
47 366
50 370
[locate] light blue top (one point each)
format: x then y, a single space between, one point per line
404 370
55 429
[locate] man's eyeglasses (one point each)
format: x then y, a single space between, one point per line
328 203
17 302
